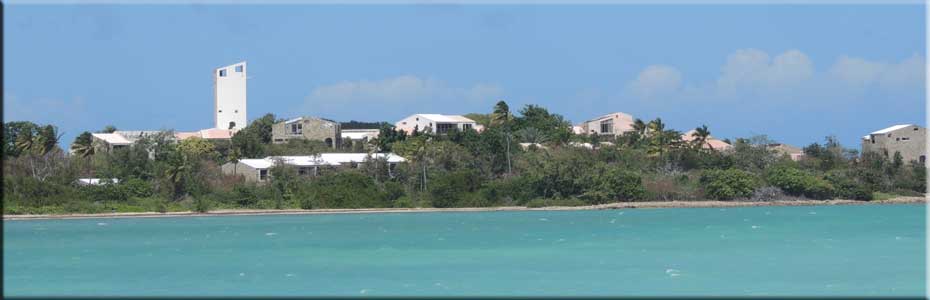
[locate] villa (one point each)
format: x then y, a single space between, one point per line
709 143
610 124
436 123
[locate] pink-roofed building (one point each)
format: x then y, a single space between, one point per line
709 143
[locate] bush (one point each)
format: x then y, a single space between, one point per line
202 204
728 184
540 202
796 182
615 184
348 189
451 189
245 195
135 187
508 190
847 188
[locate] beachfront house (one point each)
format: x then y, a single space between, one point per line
258 169
614 124
308 128
436 123
907 139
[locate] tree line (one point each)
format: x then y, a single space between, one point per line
526 158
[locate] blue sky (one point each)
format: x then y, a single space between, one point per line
795 73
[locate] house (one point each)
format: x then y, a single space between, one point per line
610 124
795 153
436 123
207 134
308 128
360 134
908 139
258 169
709 143
106 142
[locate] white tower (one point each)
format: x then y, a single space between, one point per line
229 97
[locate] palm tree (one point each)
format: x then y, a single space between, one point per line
83 145
656 126
639 127
531 135
701 134
501 114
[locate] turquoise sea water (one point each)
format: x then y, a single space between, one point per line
872 250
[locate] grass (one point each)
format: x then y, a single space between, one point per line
878 196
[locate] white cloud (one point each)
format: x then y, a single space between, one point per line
402 93
860 73
752 75
656 80
751 70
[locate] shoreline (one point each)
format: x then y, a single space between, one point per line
617 205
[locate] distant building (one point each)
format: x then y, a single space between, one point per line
610 124
106 142
308 128
436 123
360 134
229 97
257 170
908 139
710 143
207 134
795 153
96 181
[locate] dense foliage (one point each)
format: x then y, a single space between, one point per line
458 169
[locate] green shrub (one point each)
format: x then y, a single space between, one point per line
541 202
508 190
451 189
847 188
728 184
348 189
245 195
135 187
796 182
615 184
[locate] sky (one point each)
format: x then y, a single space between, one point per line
796 73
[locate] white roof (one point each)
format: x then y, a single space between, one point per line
446 118
323 159
892 128
112 138
95 181
358 134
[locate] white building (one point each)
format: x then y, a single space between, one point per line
257 169
360 134
229 97
436 123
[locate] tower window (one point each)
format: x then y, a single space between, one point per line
221 110
223 73
239 69
232 125
236 111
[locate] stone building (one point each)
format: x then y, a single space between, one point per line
308 128
908 139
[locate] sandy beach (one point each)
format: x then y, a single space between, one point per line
618 205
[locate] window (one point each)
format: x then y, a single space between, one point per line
889 135
915 128
236 111
223 73
923 159
607 126
905 139
232 125
221 110
353 165
302 171
262 175
239 69
444 127
466 126
297 128
897 139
